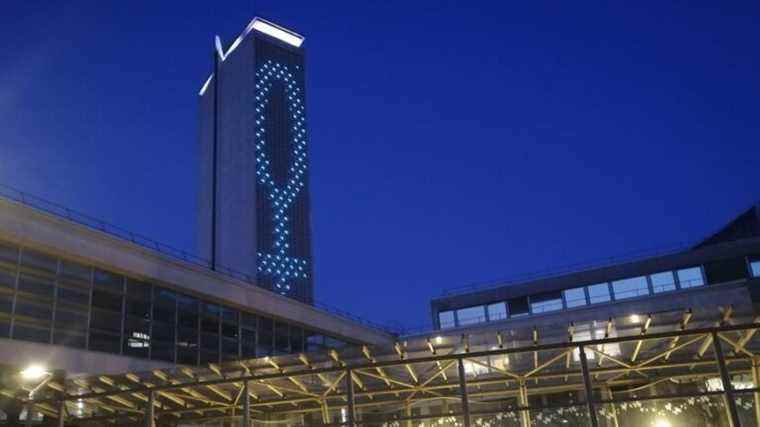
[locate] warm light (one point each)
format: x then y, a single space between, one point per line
277 32
662 422
439 339
33 372
635 318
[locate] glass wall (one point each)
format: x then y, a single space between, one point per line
625 288
49 300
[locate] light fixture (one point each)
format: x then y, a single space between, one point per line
635 318
439 339
33 372
662 422
277 32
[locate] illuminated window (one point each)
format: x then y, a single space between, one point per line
542 303
446 319
497 311
662 282
598 293
471 315
690 277
630 288
575 297
755 267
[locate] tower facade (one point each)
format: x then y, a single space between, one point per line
254 212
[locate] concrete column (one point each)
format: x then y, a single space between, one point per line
733 414
589 390
523 400
150 418
350 398
246 406
463 394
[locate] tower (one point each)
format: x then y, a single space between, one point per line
254 213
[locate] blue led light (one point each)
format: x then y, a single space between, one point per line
284 269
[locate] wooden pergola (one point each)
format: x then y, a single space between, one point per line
459 379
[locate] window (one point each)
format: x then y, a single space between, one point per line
471 315
726 270
296 339
754 265
315 341
690 277
663 282
281 338
37 261
266 337
630 288
446 319
549 301
575 297
518 307
598 293
497 311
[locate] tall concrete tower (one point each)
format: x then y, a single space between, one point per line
254 210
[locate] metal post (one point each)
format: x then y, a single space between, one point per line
150 419
350 398
733 414
756 381
463 393
246 406
61 413
613 410
587 386
29 410
524 413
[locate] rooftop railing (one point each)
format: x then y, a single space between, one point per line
568 269
14 195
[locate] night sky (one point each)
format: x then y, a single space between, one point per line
451 142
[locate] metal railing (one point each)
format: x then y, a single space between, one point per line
14 195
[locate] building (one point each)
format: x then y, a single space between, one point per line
717 268
254 213
81 296
669 340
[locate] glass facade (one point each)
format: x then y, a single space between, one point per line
755 267
50 300
631 287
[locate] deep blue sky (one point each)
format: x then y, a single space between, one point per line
451 142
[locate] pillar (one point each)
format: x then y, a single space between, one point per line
733 414
463 394
587 385
350 398
150 415
246 405
523 401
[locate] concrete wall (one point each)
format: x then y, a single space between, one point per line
48 233
236 161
